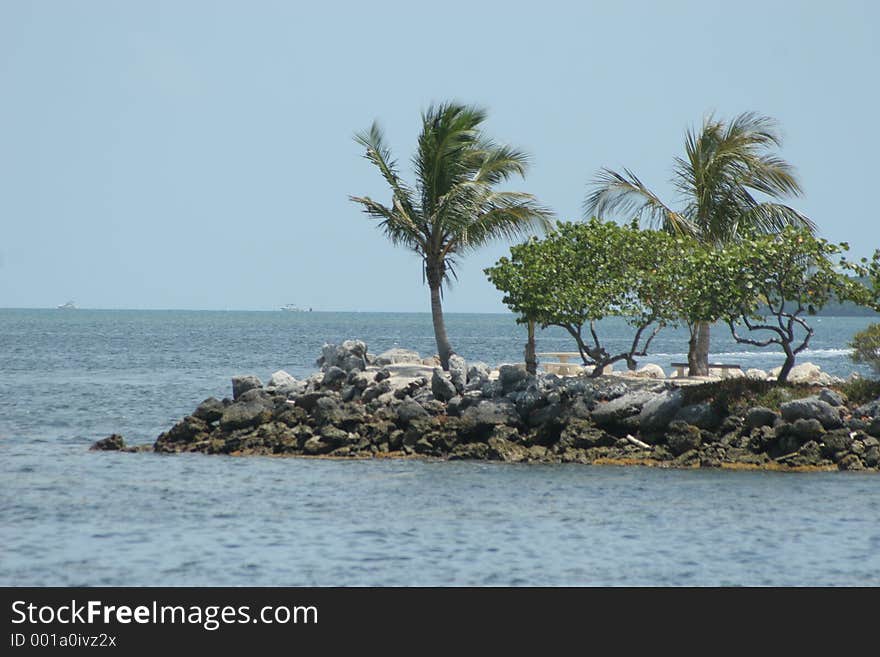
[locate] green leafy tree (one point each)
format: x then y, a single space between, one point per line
866 347
726 170
774 282
454 206
584 272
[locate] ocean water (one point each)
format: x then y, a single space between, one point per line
73 517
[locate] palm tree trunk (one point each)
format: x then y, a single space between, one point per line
435 280
531 358
698 350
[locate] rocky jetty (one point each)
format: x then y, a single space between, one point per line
393 405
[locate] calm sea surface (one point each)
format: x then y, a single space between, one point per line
73 517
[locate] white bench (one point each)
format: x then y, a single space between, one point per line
563 367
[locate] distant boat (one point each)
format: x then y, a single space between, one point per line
67 306
292 308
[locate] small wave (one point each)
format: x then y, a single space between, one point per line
826 352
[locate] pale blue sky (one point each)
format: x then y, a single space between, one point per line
199 154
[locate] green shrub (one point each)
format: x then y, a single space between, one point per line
861 391
866 347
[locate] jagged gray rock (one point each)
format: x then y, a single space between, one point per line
658 412
244 382
397 355
458 372
441 385
511 376
760 416
702 415
627 405
350 355
280 378
811 408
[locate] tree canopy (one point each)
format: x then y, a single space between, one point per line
583 272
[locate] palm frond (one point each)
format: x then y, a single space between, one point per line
373 140
625 193
505 216
396 225
499 163
774 217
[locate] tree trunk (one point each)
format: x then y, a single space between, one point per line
444 349
786 366
698 350
531 358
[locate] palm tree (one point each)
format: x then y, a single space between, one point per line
728 171
453 208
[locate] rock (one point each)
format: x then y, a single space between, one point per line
761 438
404 388
834 442
832 397
244 414
334 377
360 380
874 427
807 430
291 390
432 361
327 411
850 462
308 400
787 442
350 355
458 372
582 434
487 412
281 378
871 409
478 372
550 414
683 437
857 424
871 456
811 408
503 449
826 379
702 415
511 376
650 371
397 355
810 453
111 443
314 446
375 391
408 410
333 436
804 373
210 410
756 374
615 411
382 374
475 451
760 416
243 383
658 412
441 386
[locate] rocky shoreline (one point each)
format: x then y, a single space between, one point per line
397 405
